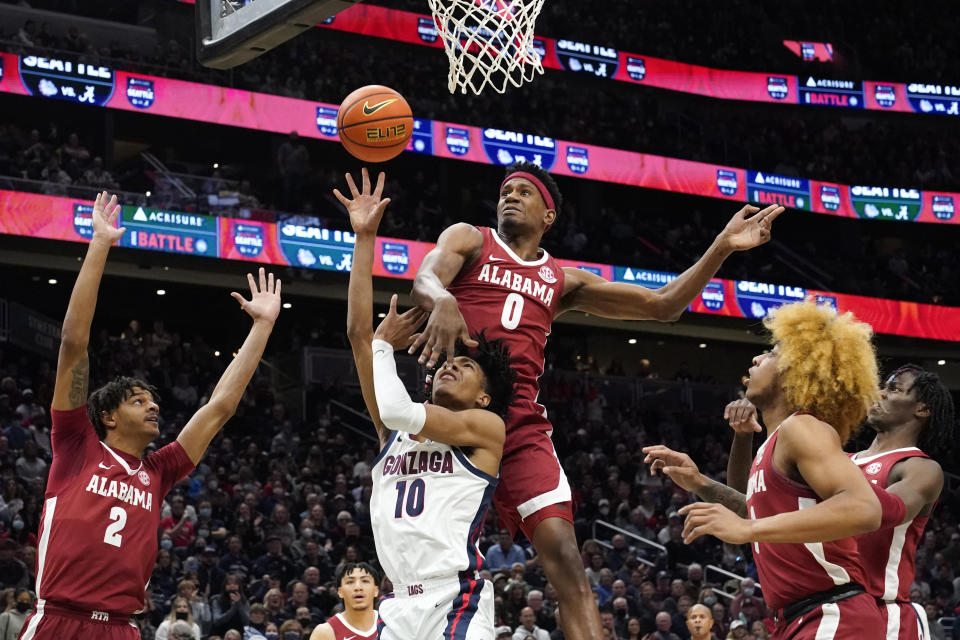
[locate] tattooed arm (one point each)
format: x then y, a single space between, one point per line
685 473
73 364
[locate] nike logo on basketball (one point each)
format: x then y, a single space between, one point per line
492 258
369 111
103 466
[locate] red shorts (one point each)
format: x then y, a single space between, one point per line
855 617
904 621
533 486
49 622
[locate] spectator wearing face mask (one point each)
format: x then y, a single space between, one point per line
290 630
179 612
748 602
11 621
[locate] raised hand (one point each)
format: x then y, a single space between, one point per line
398 329
750 227
264 303
365 208
703 518
444 328
677 466
742 416
105 212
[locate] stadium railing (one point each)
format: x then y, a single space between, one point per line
654 548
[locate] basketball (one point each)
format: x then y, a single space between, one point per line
374 123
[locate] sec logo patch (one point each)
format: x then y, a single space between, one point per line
547 275
874 469
144 478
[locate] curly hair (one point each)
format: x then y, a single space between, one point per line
109 396
493 358
828 364
938 432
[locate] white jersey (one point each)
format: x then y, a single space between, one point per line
427 508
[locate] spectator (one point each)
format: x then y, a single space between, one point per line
177 525
28 408
13 573
235 560
748 603
29 466
56 180
664 623
11 620
738 630
230 609
97 176
180 612
501 556
257 627
275 561
528 627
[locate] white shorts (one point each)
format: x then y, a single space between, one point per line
454 608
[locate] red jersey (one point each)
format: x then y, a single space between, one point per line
889 554
514 300
791 571
343 631
98 535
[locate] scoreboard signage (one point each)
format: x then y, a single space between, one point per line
140 92
646 277
170 231
934 98
756 299
583 57
83 219
67 79
422 139
636 68
327 120
712 296
943 207
578 159
832 93
508 147
314 247
885 203
458 140
769 188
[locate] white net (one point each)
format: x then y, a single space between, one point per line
488 42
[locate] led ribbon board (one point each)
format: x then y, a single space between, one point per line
288 242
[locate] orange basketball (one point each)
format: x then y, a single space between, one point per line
374 123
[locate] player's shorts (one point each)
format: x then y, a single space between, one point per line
855 617
532 485
52 622
904 621
454 608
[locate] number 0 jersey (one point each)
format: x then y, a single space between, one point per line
98 534
427 509
514 300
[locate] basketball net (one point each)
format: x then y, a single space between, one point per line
488 42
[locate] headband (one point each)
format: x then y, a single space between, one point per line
544 192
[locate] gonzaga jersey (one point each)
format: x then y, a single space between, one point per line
791 571
427 509
889 554
514 300
98 534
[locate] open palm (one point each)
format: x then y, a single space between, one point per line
105 212
365 208
264 303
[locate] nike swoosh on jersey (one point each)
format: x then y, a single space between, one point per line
103 466
493 258
369 111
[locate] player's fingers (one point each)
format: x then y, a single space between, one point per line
382 206
393 305
277 289
365 178
339 196
378 190
239 298
421 338
773 215
352 185
98 200
465 338
252 283
263 278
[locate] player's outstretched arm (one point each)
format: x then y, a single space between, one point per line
684 472
849 506
73 365
587 292
457 246
918 482
263 307
366 210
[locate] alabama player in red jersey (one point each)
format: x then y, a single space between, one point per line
805 499
913 415
98 535
357 587
501 280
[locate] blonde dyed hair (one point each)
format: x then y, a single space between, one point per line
827 364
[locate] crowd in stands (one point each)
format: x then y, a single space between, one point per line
250 542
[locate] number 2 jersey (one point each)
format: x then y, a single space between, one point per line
98 533
427 509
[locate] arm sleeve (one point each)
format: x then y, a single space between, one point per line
397 410
893 509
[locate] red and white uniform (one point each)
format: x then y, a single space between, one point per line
515 300
793 571
889 554
98 535
342 630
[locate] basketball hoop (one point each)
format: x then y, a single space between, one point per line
488 42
